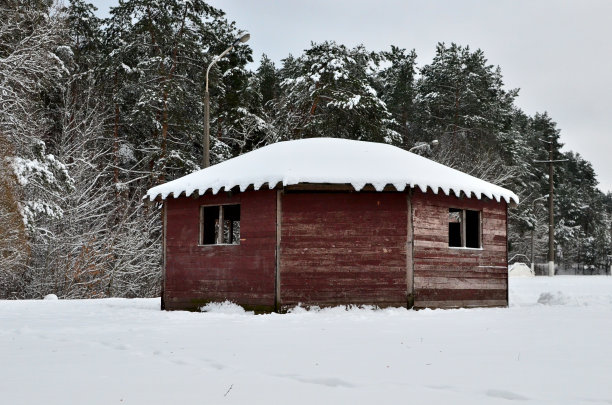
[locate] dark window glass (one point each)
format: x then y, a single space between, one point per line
220 224
231 224
472 229
463 228
210 221
455 217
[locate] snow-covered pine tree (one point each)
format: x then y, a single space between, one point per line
158 54
397 82
160 50
583 231
267 76
463 103
529 218
328 92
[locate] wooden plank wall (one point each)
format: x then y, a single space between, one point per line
343 248
451 277
241 273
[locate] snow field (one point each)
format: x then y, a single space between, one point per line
118 351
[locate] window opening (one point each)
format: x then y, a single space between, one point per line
220 225
464 228
455 217
472 229
231 224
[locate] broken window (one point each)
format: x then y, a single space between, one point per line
220 225
463 228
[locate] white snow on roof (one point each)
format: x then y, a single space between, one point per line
331 161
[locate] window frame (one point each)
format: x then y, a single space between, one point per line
463 229
220 218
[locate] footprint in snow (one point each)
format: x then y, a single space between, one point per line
442 387
505 395
327 381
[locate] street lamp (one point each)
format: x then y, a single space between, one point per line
206 147
533 229
435 142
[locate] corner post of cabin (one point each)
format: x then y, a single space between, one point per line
409 251
507 275
277 287
164 222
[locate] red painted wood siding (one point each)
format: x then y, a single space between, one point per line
343 248
242 273
451 277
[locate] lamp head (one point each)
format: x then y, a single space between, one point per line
245 37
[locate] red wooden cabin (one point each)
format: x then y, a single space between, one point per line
330 222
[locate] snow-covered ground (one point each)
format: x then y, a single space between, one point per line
117 351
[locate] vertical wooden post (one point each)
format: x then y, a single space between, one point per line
277 280
409 250
480 220
463 239
221 223
201 225
164 232
507 275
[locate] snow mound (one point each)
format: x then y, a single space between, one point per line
520 270
561 291
552 298
331 161
225 307
50 297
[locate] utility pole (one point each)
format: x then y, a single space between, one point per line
551 216
533 232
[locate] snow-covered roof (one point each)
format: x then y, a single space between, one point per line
331 161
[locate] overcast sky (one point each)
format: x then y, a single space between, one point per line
559 53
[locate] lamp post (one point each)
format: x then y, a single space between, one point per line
532 231
206 143
435 142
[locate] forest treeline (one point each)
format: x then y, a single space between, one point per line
94 112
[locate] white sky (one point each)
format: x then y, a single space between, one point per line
559 53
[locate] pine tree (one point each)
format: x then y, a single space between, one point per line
267 75
328 92
398 82
463 103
